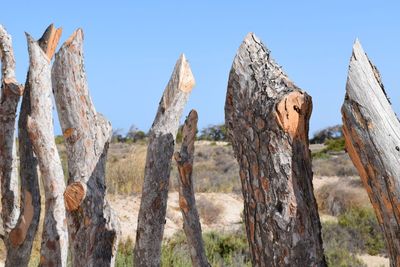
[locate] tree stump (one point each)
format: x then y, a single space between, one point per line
153 205
187 201
372 134
92 225
267 118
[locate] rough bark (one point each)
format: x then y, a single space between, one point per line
22 236
151 218
54 247
267 118
187 201
93 226
10 95
371 131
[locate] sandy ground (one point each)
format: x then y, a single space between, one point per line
374 261
127 208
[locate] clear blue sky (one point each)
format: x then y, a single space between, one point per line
131 48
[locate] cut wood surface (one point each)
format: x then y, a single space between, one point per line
153 205
372 134
23 235
93 227
53 251
267 118
187 201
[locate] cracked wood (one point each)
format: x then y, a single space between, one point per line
92 224
372 134
153 205
267 118
187 201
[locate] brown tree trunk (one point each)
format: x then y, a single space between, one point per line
187 201
93 227
371 131
267 118
153 205
40 128
19 249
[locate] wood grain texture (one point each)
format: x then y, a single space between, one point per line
9 98
22 236
267 118
53 251
153 205
372 134
93 226
187 201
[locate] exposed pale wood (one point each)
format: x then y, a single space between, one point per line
372 134
187 201
22 236
93 226
151 218
267 118
9 98
53 251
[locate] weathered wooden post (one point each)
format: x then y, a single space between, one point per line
22 235
41 133
372 133
92 225
153 205
267 118
187 201
11 92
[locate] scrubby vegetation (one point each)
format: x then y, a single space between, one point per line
356 232
221 249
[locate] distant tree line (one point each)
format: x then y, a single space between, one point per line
213 133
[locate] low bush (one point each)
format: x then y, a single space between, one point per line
357 231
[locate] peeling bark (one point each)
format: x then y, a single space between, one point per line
372 133
187 201
54 247
10 95
153 205
267 118
93 226
22 236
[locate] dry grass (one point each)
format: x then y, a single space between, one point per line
336 165
125 169
340 195
209 212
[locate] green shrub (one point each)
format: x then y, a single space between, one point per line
335 145
363 224
339 257
331 145
221 250
125 253
357 231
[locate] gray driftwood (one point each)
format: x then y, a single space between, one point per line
187 201
22 235
267 118
10 94
93 226
151 218
372 134
53 251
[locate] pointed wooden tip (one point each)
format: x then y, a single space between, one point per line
76 36
186 78
193 115
358 50
34 49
